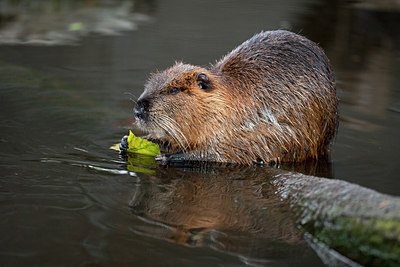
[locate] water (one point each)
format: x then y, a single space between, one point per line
66 199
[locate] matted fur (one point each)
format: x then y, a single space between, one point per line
273 98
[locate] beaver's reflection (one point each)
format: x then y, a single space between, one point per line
232 209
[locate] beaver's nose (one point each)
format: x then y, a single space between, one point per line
141 109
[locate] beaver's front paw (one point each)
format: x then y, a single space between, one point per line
123 147
165 159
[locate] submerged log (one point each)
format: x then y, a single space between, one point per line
357 222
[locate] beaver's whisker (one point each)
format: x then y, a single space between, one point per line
170 126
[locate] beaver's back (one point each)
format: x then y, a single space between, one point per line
287 87
276 58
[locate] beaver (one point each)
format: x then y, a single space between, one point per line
271 99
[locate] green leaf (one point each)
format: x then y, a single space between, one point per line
115 147
142 146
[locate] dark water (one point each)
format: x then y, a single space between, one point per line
66 199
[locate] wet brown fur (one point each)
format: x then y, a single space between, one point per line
273 98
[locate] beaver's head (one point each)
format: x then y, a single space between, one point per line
179 105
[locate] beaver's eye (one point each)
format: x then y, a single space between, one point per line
203 82
173 91
202 86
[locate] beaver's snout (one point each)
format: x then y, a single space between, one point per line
141 109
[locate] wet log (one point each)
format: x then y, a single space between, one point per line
357 222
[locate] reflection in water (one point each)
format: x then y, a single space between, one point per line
363 47
368 72
55 23
230 209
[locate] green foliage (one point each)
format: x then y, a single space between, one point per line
142 146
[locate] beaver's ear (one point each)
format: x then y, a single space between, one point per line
203 81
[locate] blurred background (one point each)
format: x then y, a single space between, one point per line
69 71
